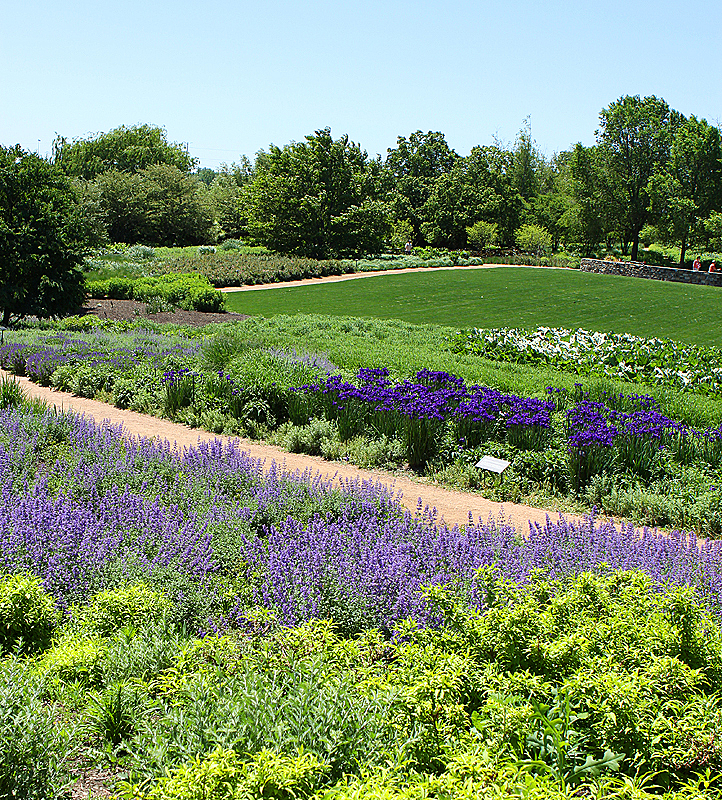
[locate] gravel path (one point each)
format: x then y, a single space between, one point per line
452 506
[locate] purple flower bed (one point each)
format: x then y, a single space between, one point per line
305 549
39 360
416 410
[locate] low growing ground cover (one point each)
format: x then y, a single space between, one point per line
511 297
654 458
652 362
188 627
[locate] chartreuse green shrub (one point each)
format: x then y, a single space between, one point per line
27 613
112 609
223 774
74 659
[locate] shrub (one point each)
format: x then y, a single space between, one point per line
534 239
74 659
140 252
191 292
32 750
27 613
483 235
112 609
223 774
312 438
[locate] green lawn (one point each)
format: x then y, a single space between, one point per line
515 297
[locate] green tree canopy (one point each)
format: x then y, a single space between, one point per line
125 149
42 235
159 205
318 198
412 169
478 187
685 193
634 139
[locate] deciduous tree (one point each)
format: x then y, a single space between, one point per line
125 149
42 239
318 198
634 140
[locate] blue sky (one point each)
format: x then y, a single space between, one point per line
231 77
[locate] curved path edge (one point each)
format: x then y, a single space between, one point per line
351 276
453 507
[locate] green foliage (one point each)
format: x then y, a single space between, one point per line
125 149
74 659
33 749
477 187
634 141
27 613
534 239
11 392
133 604
483 235
115 713
245 265
223 774
141 252
402 231
556 748
319 198
159 205
42 239
183 291
685 192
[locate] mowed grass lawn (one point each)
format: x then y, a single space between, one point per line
514 297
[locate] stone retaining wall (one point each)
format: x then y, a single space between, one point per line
634 269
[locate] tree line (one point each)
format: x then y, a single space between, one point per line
650 170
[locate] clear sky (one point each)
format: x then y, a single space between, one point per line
230 77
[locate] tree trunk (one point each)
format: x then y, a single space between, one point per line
635 248
6 318
683 251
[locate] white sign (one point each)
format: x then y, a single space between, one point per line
493 464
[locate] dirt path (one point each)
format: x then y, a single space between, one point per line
452 506
354 275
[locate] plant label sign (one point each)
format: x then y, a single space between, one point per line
492 464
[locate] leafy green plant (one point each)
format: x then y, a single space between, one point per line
74 659
483 235
132 604
558 749
141 252
115 713
11 392
27 613
33 749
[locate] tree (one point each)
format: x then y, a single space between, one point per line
317 198
412 169
527 164
159 205
478 187
226 195
634 140
41 239
123 149
689 189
